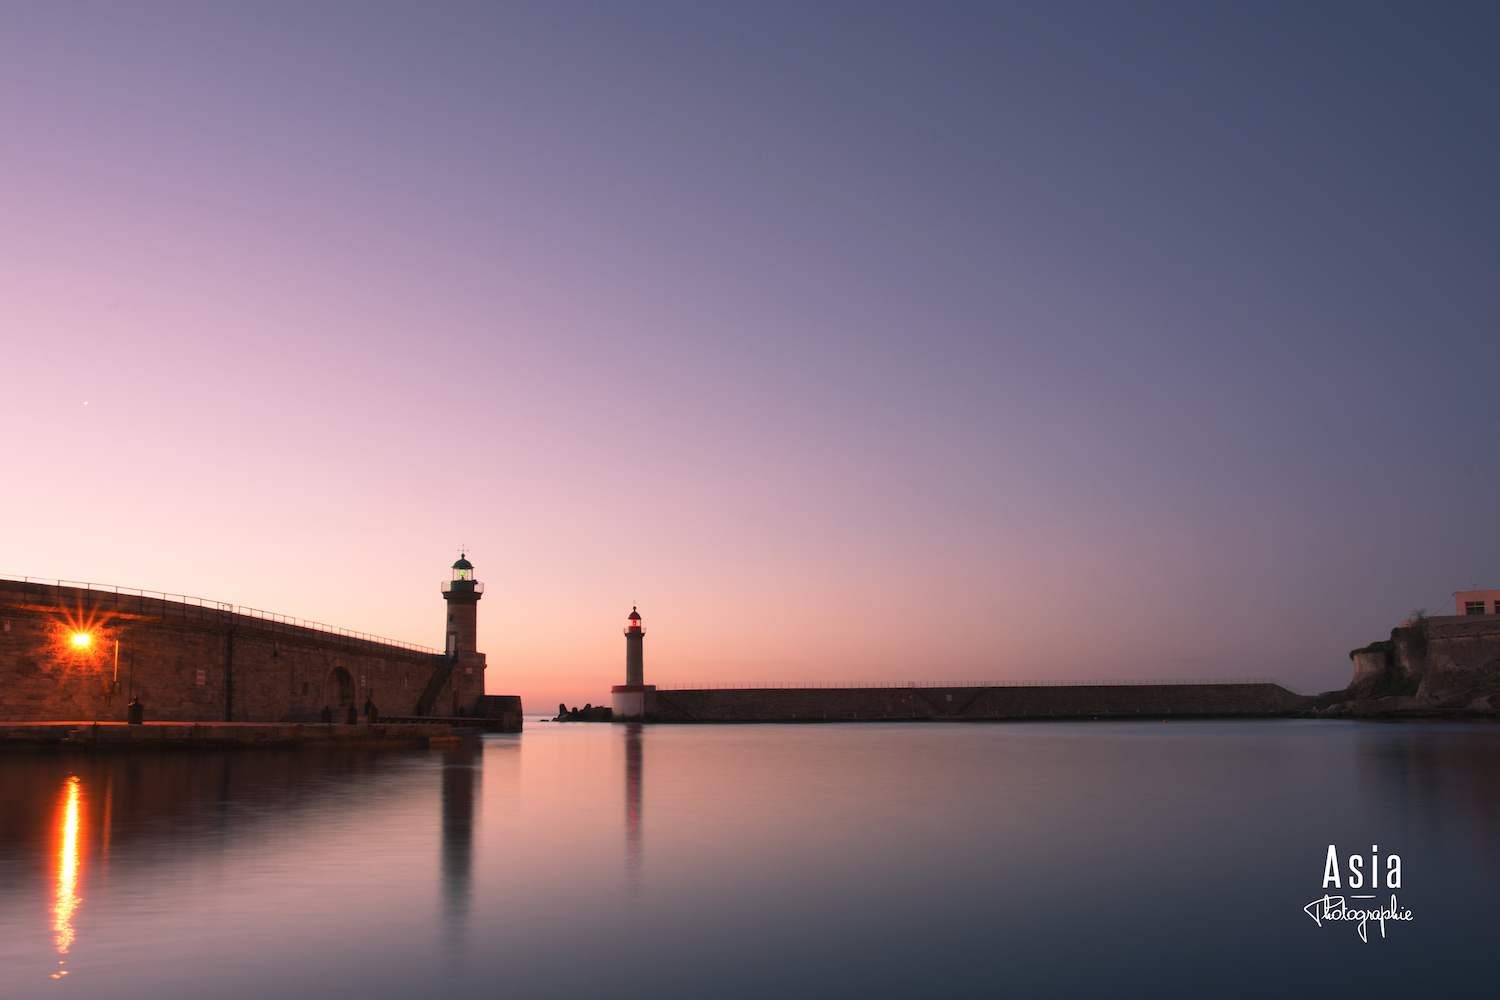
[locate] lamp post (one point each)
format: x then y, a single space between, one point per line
135 712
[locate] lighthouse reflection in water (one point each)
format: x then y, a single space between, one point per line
460 776
1071 859
633 768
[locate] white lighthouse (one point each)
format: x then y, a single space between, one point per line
628 700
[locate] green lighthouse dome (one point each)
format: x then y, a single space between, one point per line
463 574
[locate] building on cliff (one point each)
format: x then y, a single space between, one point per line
1476 602
81 652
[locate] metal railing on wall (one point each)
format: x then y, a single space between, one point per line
187 606
288 622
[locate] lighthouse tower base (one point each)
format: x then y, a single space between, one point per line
629 701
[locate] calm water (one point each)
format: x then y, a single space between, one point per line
1098 859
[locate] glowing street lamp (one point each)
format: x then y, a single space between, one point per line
81 639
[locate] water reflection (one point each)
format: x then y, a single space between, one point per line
460 769
64 818
104 828
66 899
1444 783
1075 858
633 764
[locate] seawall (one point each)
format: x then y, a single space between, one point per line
995 703
219 734
201 661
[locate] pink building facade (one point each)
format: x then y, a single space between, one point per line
1476 602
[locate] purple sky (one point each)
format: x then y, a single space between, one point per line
924 343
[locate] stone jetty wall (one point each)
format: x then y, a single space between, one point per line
1112 701
219 734
202 662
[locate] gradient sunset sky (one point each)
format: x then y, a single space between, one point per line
852 342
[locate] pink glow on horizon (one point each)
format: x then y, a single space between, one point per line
979 351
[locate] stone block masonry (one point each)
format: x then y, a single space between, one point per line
200 662
160 735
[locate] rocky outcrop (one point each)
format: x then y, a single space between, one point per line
1429 667
588 713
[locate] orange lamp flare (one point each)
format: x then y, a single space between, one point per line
82 639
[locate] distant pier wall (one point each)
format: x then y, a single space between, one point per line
200 661
1104 701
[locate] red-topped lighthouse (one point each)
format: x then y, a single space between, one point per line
629 700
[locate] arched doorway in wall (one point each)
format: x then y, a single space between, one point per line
339 688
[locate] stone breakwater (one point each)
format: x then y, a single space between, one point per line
217 734
956 704
196 661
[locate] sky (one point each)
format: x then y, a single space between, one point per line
851 342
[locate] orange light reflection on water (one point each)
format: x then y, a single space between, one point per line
66 900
